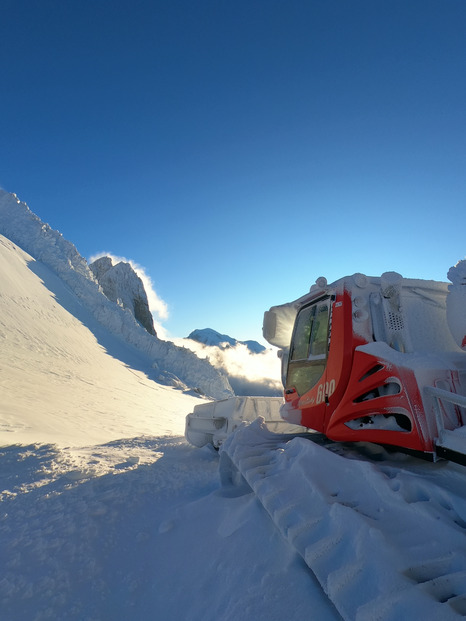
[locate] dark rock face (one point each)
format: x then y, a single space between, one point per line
100 267
122 285
143 314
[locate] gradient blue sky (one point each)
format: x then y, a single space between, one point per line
240 149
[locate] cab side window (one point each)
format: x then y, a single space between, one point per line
302 334
308 352
319 338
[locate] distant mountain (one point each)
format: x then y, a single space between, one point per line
210 337
122 285
251 369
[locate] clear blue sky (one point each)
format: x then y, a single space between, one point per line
240 149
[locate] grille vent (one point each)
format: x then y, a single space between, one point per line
395 321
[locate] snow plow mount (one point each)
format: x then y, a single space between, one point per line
211 422
450 444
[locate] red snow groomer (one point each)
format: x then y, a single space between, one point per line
377 359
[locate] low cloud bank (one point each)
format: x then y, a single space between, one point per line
248 373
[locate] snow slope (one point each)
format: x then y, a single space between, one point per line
46 245
56 359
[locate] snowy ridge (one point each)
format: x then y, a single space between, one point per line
25 229
379 549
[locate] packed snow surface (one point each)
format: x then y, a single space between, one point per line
106 513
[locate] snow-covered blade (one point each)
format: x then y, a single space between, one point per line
212 422
362 529
450 443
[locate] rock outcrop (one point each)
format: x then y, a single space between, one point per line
122 285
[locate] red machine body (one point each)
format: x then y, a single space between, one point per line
363 356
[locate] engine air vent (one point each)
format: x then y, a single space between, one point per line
391 388
375 369
386 422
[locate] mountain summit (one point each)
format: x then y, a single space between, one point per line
210 337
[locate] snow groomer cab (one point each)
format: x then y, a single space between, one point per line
375 359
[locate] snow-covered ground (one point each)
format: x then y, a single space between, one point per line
107 514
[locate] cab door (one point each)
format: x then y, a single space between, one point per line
308 360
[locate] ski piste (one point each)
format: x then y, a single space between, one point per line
372 551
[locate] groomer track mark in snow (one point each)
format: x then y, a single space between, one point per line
384 542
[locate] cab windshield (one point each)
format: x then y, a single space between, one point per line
309 347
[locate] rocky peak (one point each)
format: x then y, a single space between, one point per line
122 285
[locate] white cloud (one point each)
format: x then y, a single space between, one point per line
157 306
249 373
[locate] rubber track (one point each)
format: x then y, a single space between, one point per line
372 569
